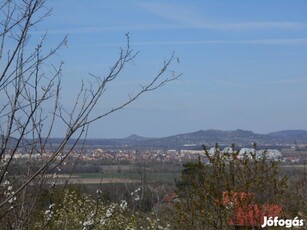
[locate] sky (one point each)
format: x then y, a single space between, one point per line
243 63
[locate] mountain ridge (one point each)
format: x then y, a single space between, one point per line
210 137
198 138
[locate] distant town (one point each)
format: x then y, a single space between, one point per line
284 146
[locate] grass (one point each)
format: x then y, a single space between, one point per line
150 177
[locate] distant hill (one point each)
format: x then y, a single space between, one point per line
11 141
210 138
135 137
292 135
207 137
241 138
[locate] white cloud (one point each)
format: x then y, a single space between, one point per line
99 29
277 42
190 18
169 26
286 81
272 82
294 41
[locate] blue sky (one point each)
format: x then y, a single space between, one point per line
244 63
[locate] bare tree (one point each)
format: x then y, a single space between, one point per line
31 105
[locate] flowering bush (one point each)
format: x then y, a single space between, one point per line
85 212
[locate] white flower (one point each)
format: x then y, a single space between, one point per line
92 214
103 221
12 199
47 212
88 223
109 213
123 205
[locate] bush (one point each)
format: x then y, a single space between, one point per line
228 187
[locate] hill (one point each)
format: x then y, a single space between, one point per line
242 138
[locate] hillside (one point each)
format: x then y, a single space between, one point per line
239 137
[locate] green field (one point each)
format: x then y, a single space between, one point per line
149 177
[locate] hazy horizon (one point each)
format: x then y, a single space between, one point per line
241 69
183 132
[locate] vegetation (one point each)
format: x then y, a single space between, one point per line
32 106
229 192
209 195
75 211
225 192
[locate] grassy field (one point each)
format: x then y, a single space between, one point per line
293 166
116 177
126 176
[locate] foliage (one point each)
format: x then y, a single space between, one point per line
32 106
84 212
212 193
